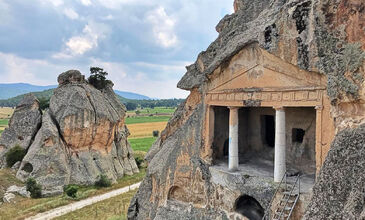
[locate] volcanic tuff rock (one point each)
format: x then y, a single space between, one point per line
23 126
323 36
82 136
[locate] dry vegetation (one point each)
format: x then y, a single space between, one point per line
141 130
112 209
30 207
6 112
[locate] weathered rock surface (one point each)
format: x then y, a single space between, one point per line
339 189
82 136
23 126
321 36
19 190
8 197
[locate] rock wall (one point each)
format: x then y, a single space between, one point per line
340 188
23 126
82 135
322 36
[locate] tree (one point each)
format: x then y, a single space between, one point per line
43 103
131 106
98 78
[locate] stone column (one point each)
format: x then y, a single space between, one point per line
280 142
233 139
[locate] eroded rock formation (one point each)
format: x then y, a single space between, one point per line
326 37
23 126
82 136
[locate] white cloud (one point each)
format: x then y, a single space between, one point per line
55 3
162 27
85 2
117 4
88 40
70 13
117 71
15 69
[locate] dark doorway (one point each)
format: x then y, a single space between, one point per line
268 128
221 132
225 148
249 207
297 135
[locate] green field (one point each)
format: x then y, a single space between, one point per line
141 144
4 122
146 119
156 110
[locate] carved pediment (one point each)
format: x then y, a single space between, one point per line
254 67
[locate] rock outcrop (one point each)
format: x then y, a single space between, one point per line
340 188
23 126
82 136
320 36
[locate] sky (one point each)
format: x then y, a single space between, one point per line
144 45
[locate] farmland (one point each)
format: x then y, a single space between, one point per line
5 114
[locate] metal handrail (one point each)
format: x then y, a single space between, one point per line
291 191
268 210
296 199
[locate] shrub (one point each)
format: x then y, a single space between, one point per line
103 181
139 161
155 133
71 190
139 158
34 188
14 155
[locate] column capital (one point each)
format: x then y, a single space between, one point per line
233 107
319 107
279 108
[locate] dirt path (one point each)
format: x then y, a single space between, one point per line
80 204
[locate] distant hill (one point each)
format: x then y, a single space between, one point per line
12 90
131 95
145 103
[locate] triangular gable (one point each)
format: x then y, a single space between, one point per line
254 67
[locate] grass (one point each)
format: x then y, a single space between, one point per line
141 130
141 144
30 207
4 122
112 209
7 178
156 110
145 119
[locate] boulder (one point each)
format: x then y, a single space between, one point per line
19 190
71 76
23 126
83 135
8 197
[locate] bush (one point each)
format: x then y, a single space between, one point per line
139 162
139 158
71 190
14 155
155 133
34 188
103 181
